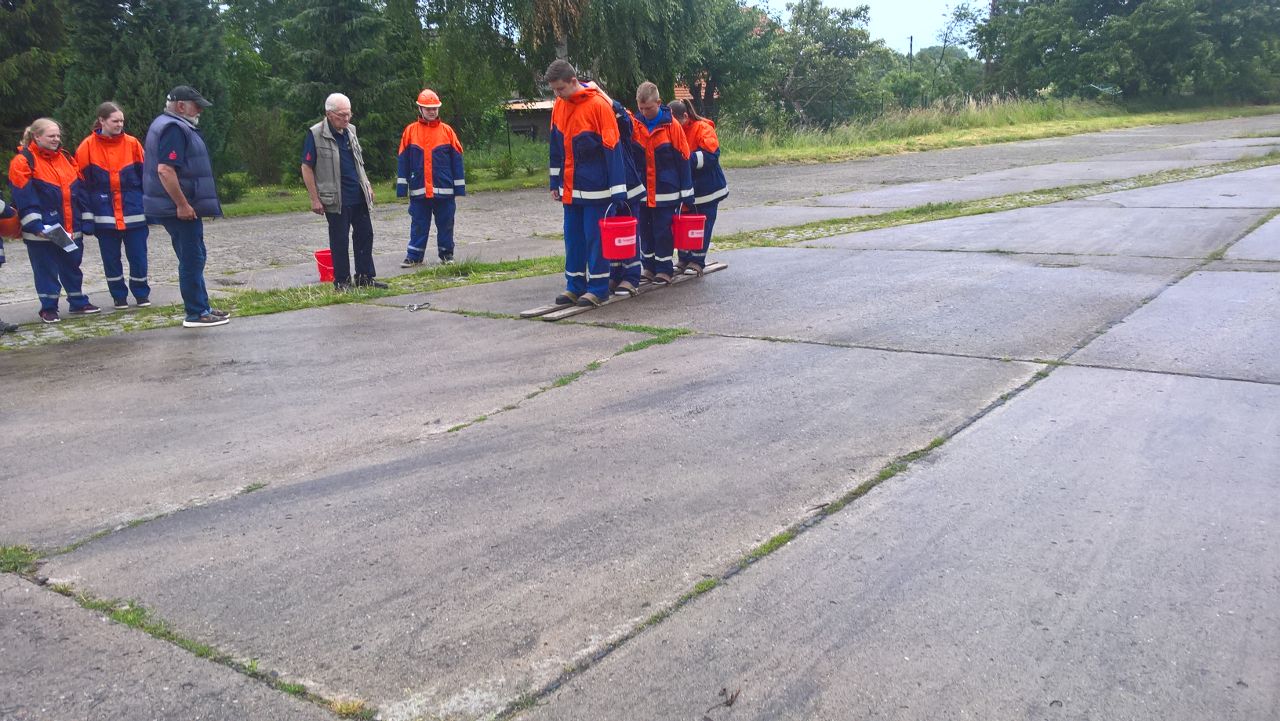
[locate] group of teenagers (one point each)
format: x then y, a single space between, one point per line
604 159
656 162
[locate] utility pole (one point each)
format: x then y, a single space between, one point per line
911 46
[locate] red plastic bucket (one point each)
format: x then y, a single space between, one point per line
324 264
618 236
687 230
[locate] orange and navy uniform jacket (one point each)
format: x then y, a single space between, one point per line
665 163
7 213
51 193
630 151
586 159
112 172
709 184
429 164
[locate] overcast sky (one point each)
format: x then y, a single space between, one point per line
895 20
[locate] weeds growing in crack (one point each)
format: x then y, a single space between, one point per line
18 559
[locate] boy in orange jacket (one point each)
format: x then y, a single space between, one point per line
430 172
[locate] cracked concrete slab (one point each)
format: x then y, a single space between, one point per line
1261 244
1225 325
986 304
1100 547
143 423
450 580
1177 232
60 661
1246 189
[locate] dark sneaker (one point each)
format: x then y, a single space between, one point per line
566 298
120 304
7 327
364 281
341 286
219 313
142 302
409 263
625 288
86 309
589 300
208 320
446 259
681 266
661 279
49 316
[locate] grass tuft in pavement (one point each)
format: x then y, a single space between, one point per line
18 559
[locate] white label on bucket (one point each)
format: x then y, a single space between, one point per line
695 234
624 241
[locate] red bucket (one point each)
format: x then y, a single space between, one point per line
324 264
618 236
687 230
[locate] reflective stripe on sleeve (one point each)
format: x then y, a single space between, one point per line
711 197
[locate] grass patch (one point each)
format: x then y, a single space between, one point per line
973 123
769 546
253 487
18 559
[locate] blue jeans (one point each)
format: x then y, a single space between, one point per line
353 221
135 249
188 244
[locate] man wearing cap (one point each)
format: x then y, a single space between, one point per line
178 193
333 171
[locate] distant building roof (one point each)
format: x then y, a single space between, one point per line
529 104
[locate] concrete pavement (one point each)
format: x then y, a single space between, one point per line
1092 538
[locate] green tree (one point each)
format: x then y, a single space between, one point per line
31 36
473 65
727 64
99 29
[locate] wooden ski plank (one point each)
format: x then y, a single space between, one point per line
579 310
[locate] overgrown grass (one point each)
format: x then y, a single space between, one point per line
942 126
18 559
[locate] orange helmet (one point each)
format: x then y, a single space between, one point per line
428 99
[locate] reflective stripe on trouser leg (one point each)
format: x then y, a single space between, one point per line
44 268
71 277
109 242
444 211
597 265
700 257
419 228
135 249
655 224
628 270
575 250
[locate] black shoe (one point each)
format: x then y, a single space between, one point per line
589 300
142 302
341 286
120 303
364 281
409 263
7 327
208 320
86 309
446 259
566 298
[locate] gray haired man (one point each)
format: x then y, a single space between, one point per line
333 171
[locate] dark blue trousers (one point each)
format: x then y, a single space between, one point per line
188 245
134 241
421 211
354 223
585 269
656 244
628 270
55 270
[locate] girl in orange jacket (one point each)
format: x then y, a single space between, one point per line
709 184
110 162
48 192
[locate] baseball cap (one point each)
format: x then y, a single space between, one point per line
188 93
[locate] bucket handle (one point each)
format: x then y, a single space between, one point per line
625 205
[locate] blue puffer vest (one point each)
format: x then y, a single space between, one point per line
195 177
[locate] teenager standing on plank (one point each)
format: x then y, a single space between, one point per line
111 163
430 172
624 275
667 178
47 191
709 184
586 174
